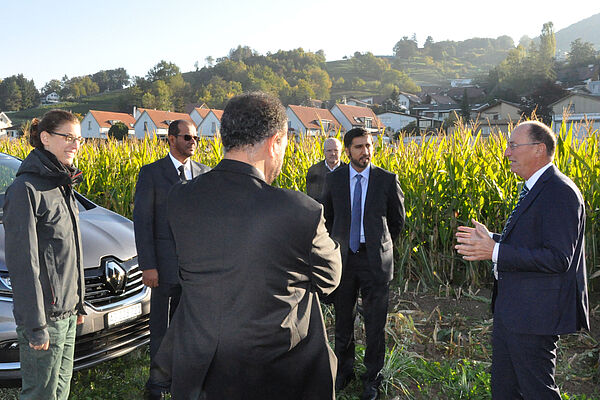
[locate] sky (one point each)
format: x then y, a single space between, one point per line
46 40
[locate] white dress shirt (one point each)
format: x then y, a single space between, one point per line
529 182
364 183
187 167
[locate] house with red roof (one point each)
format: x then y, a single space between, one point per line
211 124
156 122
311 121
356 117
198 114
96 124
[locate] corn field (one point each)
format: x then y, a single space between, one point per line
446 179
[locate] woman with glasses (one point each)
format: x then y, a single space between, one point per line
44 256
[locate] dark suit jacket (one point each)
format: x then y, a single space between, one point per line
315 179
542 281
153 238
383 216
253 261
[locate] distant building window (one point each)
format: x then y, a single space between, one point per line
213 127
570 109
145 127
289 125
89 125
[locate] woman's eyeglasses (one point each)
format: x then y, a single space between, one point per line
69 138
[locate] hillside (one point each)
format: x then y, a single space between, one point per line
586 29
108 101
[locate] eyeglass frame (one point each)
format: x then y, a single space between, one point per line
513 146
187 137
69 138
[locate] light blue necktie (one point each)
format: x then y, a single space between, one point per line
356 214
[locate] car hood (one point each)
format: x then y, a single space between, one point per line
103 233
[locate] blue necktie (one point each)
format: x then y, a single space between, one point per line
356 214
522 195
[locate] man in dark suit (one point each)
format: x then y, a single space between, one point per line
153 238
539 266
253 261
364 210
315 176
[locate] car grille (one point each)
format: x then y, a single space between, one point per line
109 343
98 292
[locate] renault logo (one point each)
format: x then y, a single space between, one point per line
115 276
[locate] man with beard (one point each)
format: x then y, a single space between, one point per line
315 176
153 238
253 261
366 231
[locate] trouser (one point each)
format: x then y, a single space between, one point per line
46 374
523 365
163 303
357 277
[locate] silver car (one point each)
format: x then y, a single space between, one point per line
116 301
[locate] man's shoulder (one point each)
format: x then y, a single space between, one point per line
378 171
560 184
156 165
202 167
317 166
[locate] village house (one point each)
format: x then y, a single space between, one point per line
155 122
311 121
582 111
51 98
5 123
211 124
356 117
198 114
496 117
96 124
393 121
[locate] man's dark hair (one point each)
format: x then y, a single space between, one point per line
174 126
540 132
250 118
352 133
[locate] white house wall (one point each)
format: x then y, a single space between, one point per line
90 128
196 117
395 121
339 115
140 133
206 127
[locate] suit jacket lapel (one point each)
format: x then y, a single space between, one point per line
373 180
528 200
169 171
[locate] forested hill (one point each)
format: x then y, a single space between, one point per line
588 30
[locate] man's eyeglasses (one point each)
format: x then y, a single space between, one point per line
69 138
513 146
187 138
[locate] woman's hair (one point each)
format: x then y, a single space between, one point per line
49 123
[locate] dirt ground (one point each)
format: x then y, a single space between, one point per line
453 323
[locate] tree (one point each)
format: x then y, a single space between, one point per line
18 93
118 131
52 86
465 108
209 61
10 95
582 53
112 79
547 52
405 48
241 53
162 71
544 94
